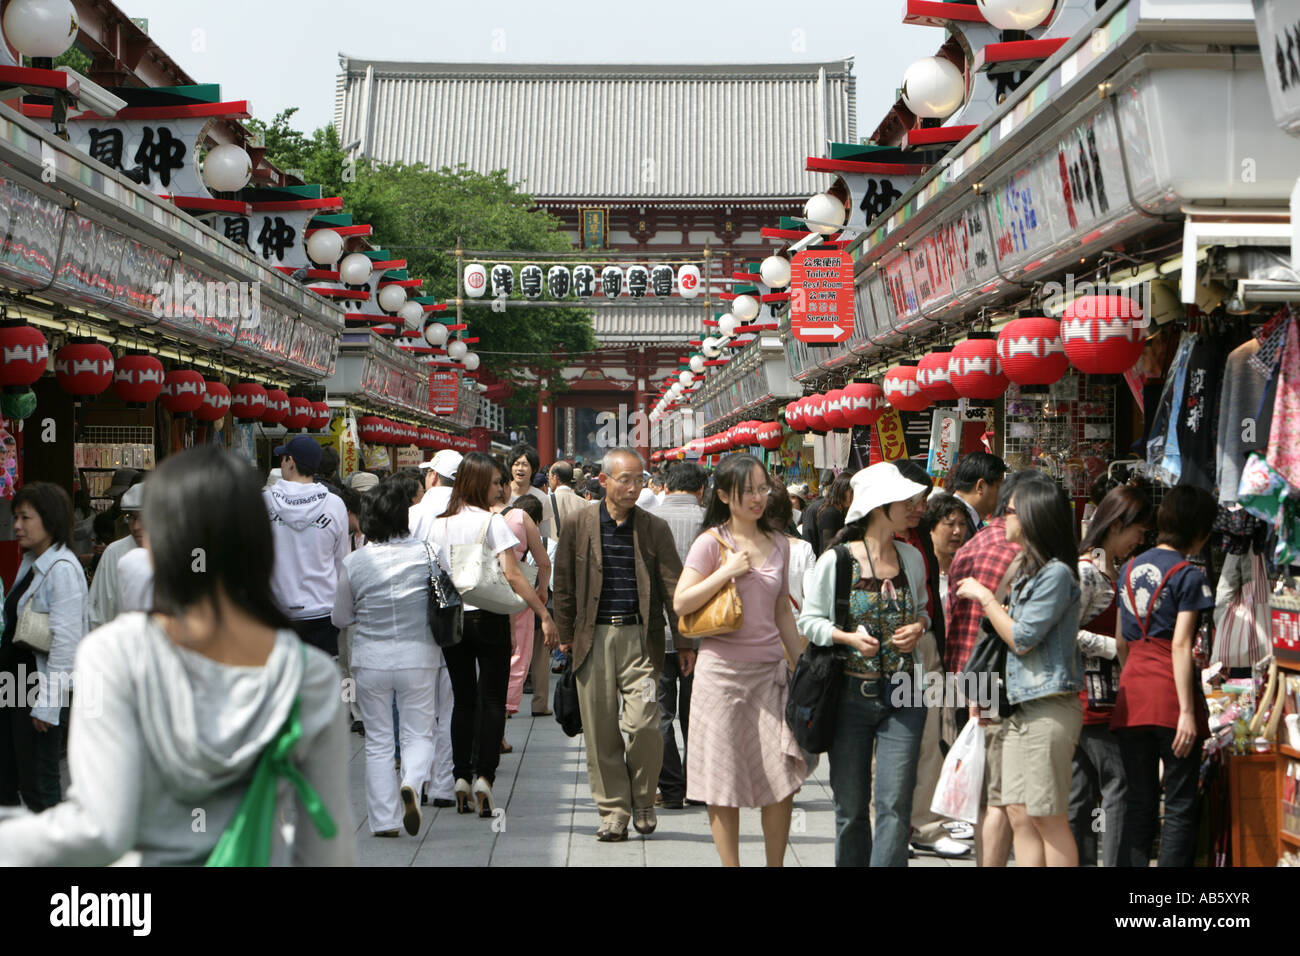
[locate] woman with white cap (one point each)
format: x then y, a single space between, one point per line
878 642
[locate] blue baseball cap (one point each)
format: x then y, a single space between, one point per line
304 450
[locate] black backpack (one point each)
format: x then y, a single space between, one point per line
812 705
565 703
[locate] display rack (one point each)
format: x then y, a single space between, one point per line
1067 431
102 449
1288 780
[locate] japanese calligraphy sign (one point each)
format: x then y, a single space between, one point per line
277 238
889 429
1277 24
444 391
872 193
159 154
821 296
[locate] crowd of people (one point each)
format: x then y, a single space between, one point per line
233 610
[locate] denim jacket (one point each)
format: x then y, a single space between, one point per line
58 588
1045 612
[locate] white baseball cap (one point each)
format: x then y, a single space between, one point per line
445 463
881 484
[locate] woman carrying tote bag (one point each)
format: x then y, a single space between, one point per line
480 663
742 753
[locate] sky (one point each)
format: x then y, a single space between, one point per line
282 53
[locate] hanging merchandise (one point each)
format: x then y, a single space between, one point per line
1031 351
1284 439
1242 428
84 367
1264 493
1195 423
1161 436
974 369
1242 638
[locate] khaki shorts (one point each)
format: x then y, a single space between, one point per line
1038 754
994 735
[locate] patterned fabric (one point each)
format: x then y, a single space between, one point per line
985 558
882 607
1272 339
1284 440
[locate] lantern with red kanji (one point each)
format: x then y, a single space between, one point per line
320 416
1031 351
300 414
974 369
1103 334
215 404
138 378
25 354
84 367
770 435
903 390
182 391
932 375
277 406
248 402
866 402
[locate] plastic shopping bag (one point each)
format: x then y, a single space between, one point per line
961 784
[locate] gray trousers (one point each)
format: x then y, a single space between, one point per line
1098 777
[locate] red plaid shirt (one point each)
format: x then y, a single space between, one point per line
985 558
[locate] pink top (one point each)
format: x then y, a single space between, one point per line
514 519
758 638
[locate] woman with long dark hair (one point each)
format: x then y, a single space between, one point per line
1117 528
174 710
1044 672
742 754
830 516
480 663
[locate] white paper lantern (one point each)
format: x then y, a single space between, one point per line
227 168
355 269
611 281
471 361
411 314
685 377
688 281
391 297
745 308
825 214
584 281
697 364
475 280
775 272
457 350
324 246
727 324
435 333
1014 14
503 280
711 348
933 87
41 27
530 281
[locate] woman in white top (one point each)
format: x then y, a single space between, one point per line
384 591
480 663
945 523
174 710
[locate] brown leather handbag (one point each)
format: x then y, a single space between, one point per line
721 614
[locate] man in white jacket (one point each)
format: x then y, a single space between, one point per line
105 588
310 526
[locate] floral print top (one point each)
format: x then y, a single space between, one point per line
882 607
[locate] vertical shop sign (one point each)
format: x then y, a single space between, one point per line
889 429
821 296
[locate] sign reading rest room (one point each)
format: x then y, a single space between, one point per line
821 296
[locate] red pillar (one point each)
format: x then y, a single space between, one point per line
545 428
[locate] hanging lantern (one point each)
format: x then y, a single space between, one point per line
775 272
300 413
475 280
933 87
661 280
320 417
745 308
638 280
248 402
25 354
44 28
84 367
584 281
770 435
371 429
503 281
558 282
182 391
728 323
324 246
277 406
697 364
530 281
1031 351
412 315
138 378
792 416
837 418
903 390
866 402
1103 334
457 350
215 403
688 281
815 411
611 281
932 375
825 214
974 369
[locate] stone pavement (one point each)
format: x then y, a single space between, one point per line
547 818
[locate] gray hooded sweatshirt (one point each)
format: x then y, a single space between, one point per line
164 742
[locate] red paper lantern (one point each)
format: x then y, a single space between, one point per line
1031 351
300 414
182 391
837 411
277 406
248 402
215 404
656 457
370 428
84 367
320 416
932 375
25 354
771 435
815 411
138 378
866 402
1103 334
903 390
793 418
974 368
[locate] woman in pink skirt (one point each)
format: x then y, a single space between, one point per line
742 754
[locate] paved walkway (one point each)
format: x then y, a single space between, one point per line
548 819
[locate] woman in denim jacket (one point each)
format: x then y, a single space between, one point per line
1044 673
51 581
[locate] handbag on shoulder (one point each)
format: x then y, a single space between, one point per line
721 614
445 611
989 657
812 704
33 630
477 575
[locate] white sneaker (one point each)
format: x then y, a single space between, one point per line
959 830
944 846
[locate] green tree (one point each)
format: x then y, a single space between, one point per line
319 157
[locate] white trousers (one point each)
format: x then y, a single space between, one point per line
417 712
441 785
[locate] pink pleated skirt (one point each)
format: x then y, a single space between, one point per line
740 752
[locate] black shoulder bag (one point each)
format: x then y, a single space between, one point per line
812 705
445 611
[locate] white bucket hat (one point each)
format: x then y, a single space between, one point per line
881 484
